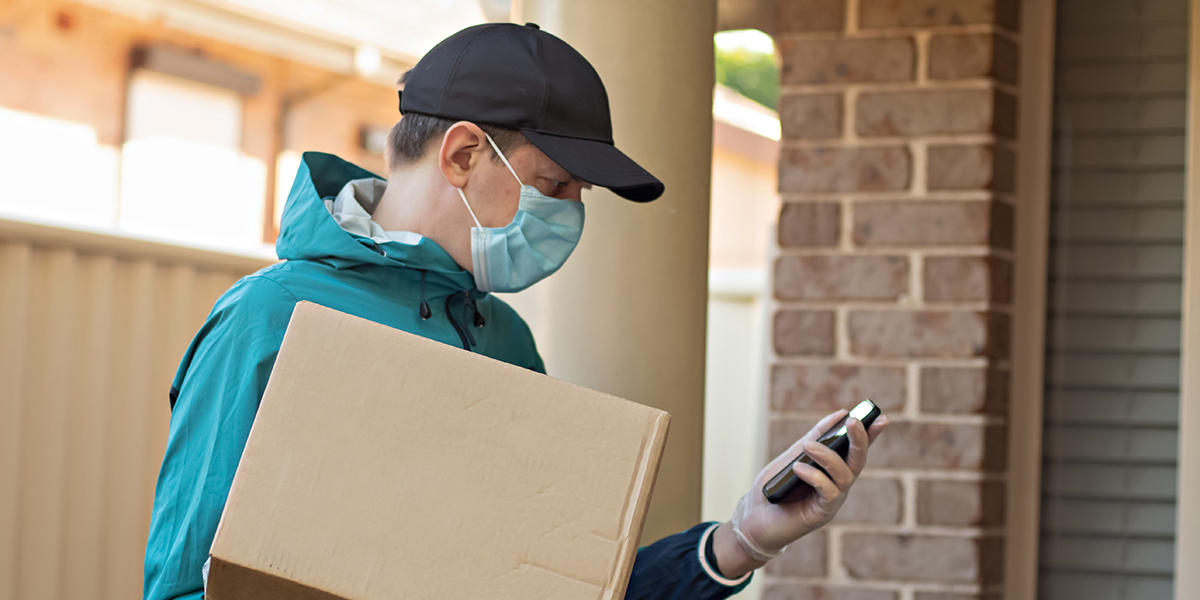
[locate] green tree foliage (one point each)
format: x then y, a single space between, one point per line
750 72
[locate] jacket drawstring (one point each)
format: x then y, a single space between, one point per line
468 303
424 311
463 334
479 320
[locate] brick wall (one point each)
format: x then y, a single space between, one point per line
893 282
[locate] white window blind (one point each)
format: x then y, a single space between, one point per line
1116 257
56 169
183 175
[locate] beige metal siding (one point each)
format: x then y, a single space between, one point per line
91 330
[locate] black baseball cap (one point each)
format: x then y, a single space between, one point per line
523 78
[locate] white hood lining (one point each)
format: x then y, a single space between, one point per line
353 206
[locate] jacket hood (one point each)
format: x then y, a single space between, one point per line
309 231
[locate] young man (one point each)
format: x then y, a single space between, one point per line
503 128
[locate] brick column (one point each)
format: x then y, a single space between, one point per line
893 282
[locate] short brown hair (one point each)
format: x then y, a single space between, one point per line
411 136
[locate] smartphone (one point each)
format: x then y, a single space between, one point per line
785 483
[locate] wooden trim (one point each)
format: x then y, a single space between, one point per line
1029 305
191 66
97 241
242 24
1187 507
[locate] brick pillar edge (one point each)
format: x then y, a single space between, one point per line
894 282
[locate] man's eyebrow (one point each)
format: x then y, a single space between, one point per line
544 172
554 172
571 177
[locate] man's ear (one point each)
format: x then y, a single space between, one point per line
462 150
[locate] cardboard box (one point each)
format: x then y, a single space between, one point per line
385 465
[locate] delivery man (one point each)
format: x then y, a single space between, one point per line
503 127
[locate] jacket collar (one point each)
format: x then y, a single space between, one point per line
309 231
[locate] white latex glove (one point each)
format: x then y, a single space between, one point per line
763 529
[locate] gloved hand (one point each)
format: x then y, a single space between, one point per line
763 529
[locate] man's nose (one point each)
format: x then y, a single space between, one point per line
574 190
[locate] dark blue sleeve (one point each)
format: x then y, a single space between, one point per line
674 568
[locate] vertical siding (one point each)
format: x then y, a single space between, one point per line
86 418
14 334
43 446
91 330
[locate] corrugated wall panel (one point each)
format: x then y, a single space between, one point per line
127 427
90 397
92 328
14 334
44 427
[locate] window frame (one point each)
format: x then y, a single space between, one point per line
1187 524
1035 129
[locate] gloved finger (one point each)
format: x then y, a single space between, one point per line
856 458
824 424
877 427
838 470
826 489
794 451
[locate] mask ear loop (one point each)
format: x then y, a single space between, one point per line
464 199
501 155
510 170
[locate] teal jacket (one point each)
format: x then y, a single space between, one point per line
221 378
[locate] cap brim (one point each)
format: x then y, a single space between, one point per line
599 163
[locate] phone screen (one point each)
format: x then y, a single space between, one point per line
859 412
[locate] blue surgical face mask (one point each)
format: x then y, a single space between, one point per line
541 236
